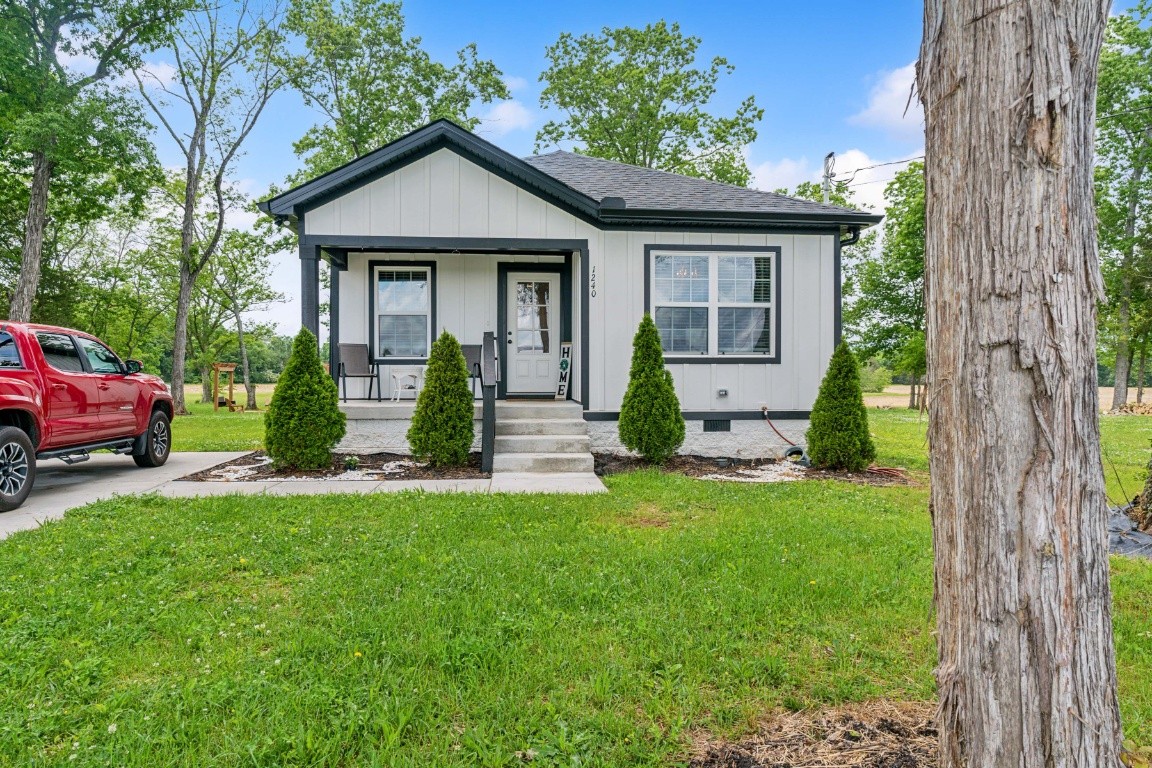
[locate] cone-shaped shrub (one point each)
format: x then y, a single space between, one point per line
650 419
303 422
838 435
441 431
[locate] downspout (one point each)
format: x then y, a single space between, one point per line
853 236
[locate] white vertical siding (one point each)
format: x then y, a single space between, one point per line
444 195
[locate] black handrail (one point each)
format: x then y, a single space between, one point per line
489 375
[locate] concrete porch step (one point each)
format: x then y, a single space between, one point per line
542 409
544 443
559 427
542 462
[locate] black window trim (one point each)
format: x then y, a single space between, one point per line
373 333
680 358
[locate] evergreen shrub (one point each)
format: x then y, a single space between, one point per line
441 431
303 422
651 422
838 435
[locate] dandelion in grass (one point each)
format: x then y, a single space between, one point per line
112 728
357 654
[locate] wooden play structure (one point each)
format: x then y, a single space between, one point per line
230 370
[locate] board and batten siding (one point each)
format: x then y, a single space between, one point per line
446 195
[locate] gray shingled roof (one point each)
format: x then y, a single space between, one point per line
648 189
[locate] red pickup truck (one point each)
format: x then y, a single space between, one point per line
64 393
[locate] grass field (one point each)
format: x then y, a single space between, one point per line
205 429
459 630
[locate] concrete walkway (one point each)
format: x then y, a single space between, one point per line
60 487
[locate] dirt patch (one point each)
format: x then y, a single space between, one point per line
646 515
375 467
874 735
747 470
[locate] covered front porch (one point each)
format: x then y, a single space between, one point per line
394 296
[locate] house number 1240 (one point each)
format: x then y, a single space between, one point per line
592 282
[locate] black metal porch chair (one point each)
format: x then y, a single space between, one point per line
472 354
354 364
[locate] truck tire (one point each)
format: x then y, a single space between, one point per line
157 442
17 468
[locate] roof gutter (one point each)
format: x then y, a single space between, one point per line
853 236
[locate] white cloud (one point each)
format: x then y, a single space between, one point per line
892 107
515 83
505 117
155 74
854 167
783 174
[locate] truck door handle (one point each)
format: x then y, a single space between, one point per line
59 386
102 386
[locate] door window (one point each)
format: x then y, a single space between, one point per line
60 352
532 317
102 359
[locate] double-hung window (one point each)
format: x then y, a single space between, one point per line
403 311
715 303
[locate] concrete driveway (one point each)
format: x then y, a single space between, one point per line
60 487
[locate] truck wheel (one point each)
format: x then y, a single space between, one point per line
157 442
17 468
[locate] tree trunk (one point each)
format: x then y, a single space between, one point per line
1141 373
1124 309
180 340
912 400
1026 674
20 308
205 384
249 387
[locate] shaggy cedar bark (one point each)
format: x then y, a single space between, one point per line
1026 670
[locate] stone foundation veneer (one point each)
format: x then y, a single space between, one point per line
376 430
749 439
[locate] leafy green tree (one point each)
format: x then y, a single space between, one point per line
372 83
838 435
303 422
886 316
651 422
63 123
1123 183
225 76
636 96
442 428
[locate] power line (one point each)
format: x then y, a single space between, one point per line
1123 112
852 177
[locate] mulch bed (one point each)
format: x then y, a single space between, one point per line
375 466
701 466
873 735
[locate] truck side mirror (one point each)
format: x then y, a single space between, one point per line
133 366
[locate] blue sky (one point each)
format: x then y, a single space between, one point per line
831 75
814 67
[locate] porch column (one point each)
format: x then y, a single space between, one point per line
334 271
310 288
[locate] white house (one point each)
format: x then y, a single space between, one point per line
444 230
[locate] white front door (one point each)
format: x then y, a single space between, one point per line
533 338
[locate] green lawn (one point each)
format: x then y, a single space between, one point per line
207 430
457 630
